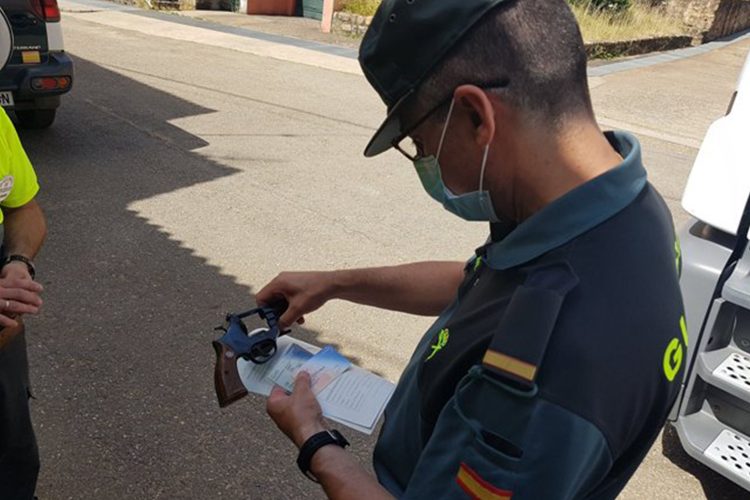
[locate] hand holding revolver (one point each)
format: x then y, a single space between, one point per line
305 292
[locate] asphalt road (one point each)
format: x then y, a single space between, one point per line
182 174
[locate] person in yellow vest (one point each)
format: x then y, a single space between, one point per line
23 227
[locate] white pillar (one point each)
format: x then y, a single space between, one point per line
327 21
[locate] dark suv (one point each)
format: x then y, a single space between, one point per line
36 71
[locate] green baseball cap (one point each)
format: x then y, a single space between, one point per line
405 42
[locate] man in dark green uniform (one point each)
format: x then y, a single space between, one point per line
558 349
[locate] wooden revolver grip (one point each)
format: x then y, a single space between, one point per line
9 333
229 386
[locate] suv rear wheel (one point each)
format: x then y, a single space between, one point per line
35 118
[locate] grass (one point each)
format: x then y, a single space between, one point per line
639 21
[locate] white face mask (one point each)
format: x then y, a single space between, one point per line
473 206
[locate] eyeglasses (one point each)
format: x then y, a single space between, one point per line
406 145
413 150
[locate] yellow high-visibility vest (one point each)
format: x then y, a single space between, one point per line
18 182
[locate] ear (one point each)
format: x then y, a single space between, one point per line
481 110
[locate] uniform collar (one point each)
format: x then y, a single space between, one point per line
577 211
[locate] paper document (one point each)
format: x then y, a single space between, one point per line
287 367
356 397
255 377
325 367
353 397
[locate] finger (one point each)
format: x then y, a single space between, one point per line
29 285
278 392
302 383
21 295
12 306
270 293
292 314
7 322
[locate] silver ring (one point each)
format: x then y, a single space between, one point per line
7 305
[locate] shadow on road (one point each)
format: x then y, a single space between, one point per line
715 486
122 364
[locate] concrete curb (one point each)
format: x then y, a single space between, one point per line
637 47
348 53
672 55
324 48
602 70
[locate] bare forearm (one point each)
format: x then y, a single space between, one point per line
343 478
424 288
25 230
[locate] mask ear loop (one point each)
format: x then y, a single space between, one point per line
484 165
445 128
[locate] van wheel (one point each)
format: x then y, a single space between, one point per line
35 118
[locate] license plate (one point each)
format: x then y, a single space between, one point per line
6 99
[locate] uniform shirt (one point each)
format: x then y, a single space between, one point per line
553 371
18 183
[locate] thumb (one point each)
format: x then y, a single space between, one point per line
302 383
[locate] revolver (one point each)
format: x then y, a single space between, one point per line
258 346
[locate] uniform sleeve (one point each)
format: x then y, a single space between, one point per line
25 185
493 441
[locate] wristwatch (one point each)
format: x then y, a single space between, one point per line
20 258
313 444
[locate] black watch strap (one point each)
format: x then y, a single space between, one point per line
313 444
20 258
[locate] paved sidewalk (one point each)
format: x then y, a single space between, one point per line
187 29
295 27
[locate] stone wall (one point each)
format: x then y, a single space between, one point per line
350 24
213 4
173 4
712 19
732 16
604 50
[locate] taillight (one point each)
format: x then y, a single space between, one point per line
47 10
51 10
51 83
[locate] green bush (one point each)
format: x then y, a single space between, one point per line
361 7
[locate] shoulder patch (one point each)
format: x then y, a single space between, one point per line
6 186
518 347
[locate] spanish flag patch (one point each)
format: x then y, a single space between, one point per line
477 488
